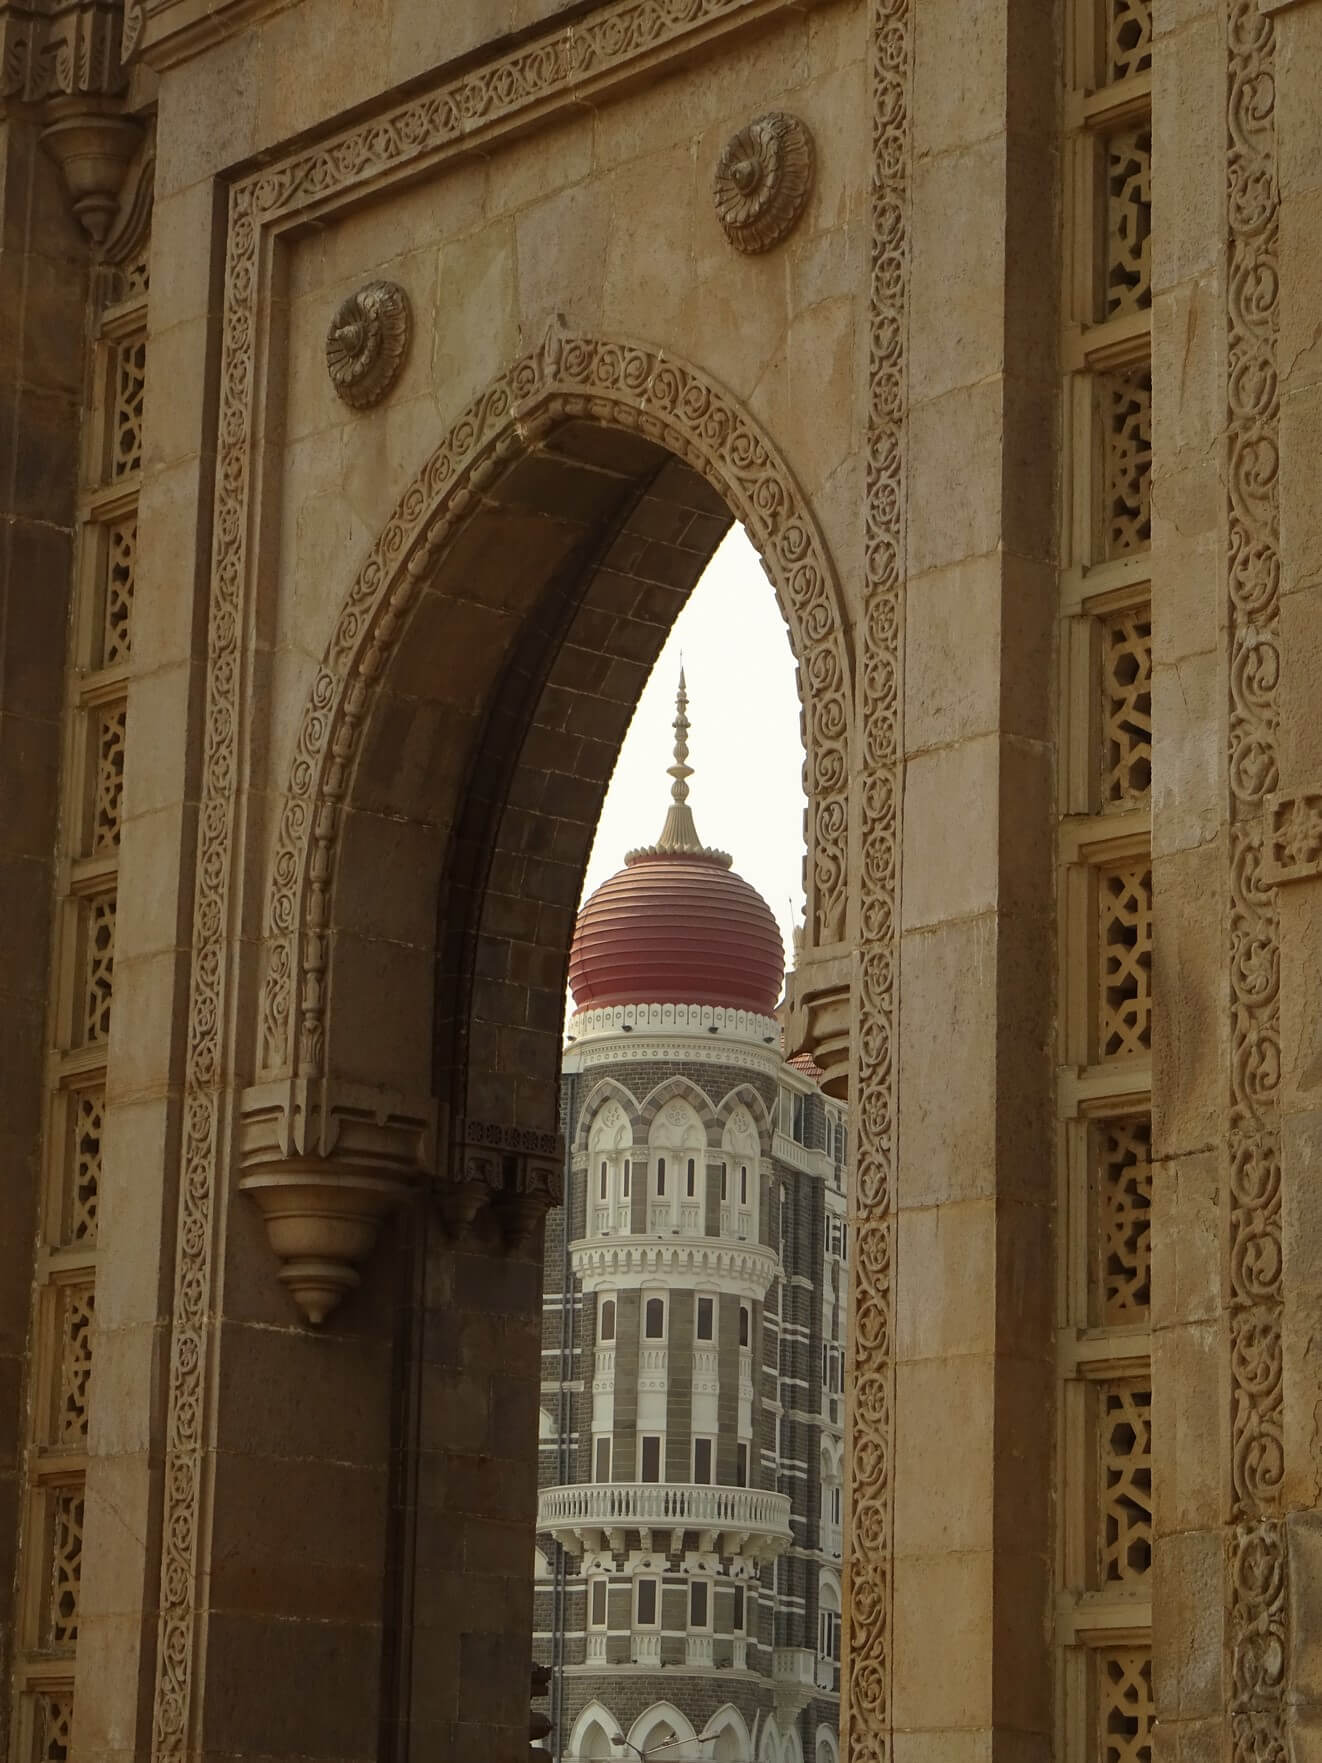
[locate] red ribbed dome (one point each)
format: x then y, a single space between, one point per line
677 927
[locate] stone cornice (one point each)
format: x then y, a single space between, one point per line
168 32
723 1263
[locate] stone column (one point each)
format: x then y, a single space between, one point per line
43 293
974 1270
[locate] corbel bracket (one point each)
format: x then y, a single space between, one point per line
511 1174
325 1164
818 1013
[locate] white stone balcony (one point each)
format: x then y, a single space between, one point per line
731 1521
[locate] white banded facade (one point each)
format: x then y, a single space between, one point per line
691 1440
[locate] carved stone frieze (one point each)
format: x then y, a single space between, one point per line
1257 1595
763 181
367 342
865 1691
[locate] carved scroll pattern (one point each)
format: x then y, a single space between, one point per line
620 384
865 1692
424 128
1257 1590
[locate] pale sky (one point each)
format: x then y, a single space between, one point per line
746 791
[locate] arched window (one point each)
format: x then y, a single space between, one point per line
660 1175
606 1320
691 1180
654 1319
744 1325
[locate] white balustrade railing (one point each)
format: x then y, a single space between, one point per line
698 1650
596 1649
659 1505
647 1649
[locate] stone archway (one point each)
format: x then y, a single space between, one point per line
435 1069
618 385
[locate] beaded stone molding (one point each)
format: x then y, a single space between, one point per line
366 343
763 181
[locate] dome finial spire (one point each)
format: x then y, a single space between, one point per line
681 771
679 835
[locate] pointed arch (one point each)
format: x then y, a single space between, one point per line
606 1089
745 1095
684 1089
612 1121
592 1734
726 1736
664 1723
616 385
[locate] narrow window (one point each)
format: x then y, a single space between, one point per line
660 1175
602 1468
725 1182
646 1605
737 1616
603 1178
797 1129
651 1451
743 1184
702 1462
692 1186
743 1325
741 1465
597 1608
706 1319
654 1326
698 1604
606 1327
627 1170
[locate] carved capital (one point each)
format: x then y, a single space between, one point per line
325 1164
510 1173
818 1014
60 48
